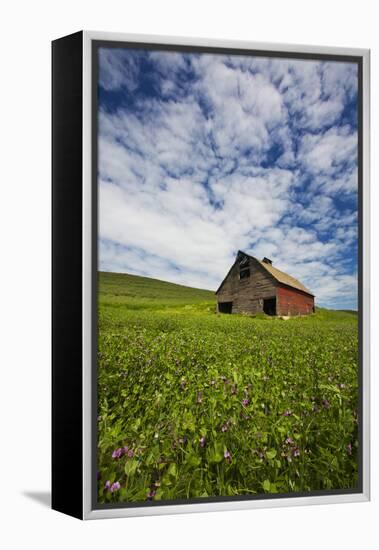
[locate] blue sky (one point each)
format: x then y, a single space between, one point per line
201 155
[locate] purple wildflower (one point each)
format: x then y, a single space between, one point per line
349 449
228 456
224 428
296 452
289 441
287 413
115 487
117 453
151 494
107 485
203 442
245 402
130 453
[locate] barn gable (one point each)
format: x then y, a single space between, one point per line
254 286
245 286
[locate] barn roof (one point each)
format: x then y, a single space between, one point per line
278 275
283 278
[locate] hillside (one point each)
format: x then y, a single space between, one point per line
146 293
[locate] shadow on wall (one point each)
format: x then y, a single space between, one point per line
41 497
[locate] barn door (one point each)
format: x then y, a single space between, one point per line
269 306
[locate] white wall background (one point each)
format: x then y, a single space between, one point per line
27 29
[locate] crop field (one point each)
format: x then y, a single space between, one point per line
196 404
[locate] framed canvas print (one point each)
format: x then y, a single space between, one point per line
210 275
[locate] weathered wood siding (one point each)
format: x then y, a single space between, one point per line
293 302
247 294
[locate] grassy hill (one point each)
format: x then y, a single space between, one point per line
119 289
134 286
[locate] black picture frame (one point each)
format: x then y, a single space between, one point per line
74 288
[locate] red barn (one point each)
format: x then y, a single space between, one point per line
254 286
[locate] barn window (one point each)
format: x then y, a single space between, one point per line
245 273
244 262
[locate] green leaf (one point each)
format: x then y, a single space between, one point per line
215 454
137 424
173 470
130 467
271 454
193 460
158 494
266 485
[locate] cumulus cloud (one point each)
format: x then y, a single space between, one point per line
327 153
201 155
117 69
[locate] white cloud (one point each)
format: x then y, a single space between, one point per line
325 153
117 69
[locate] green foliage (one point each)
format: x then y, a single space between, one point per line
210 404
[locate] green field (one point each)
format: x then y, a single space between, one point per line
196 404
